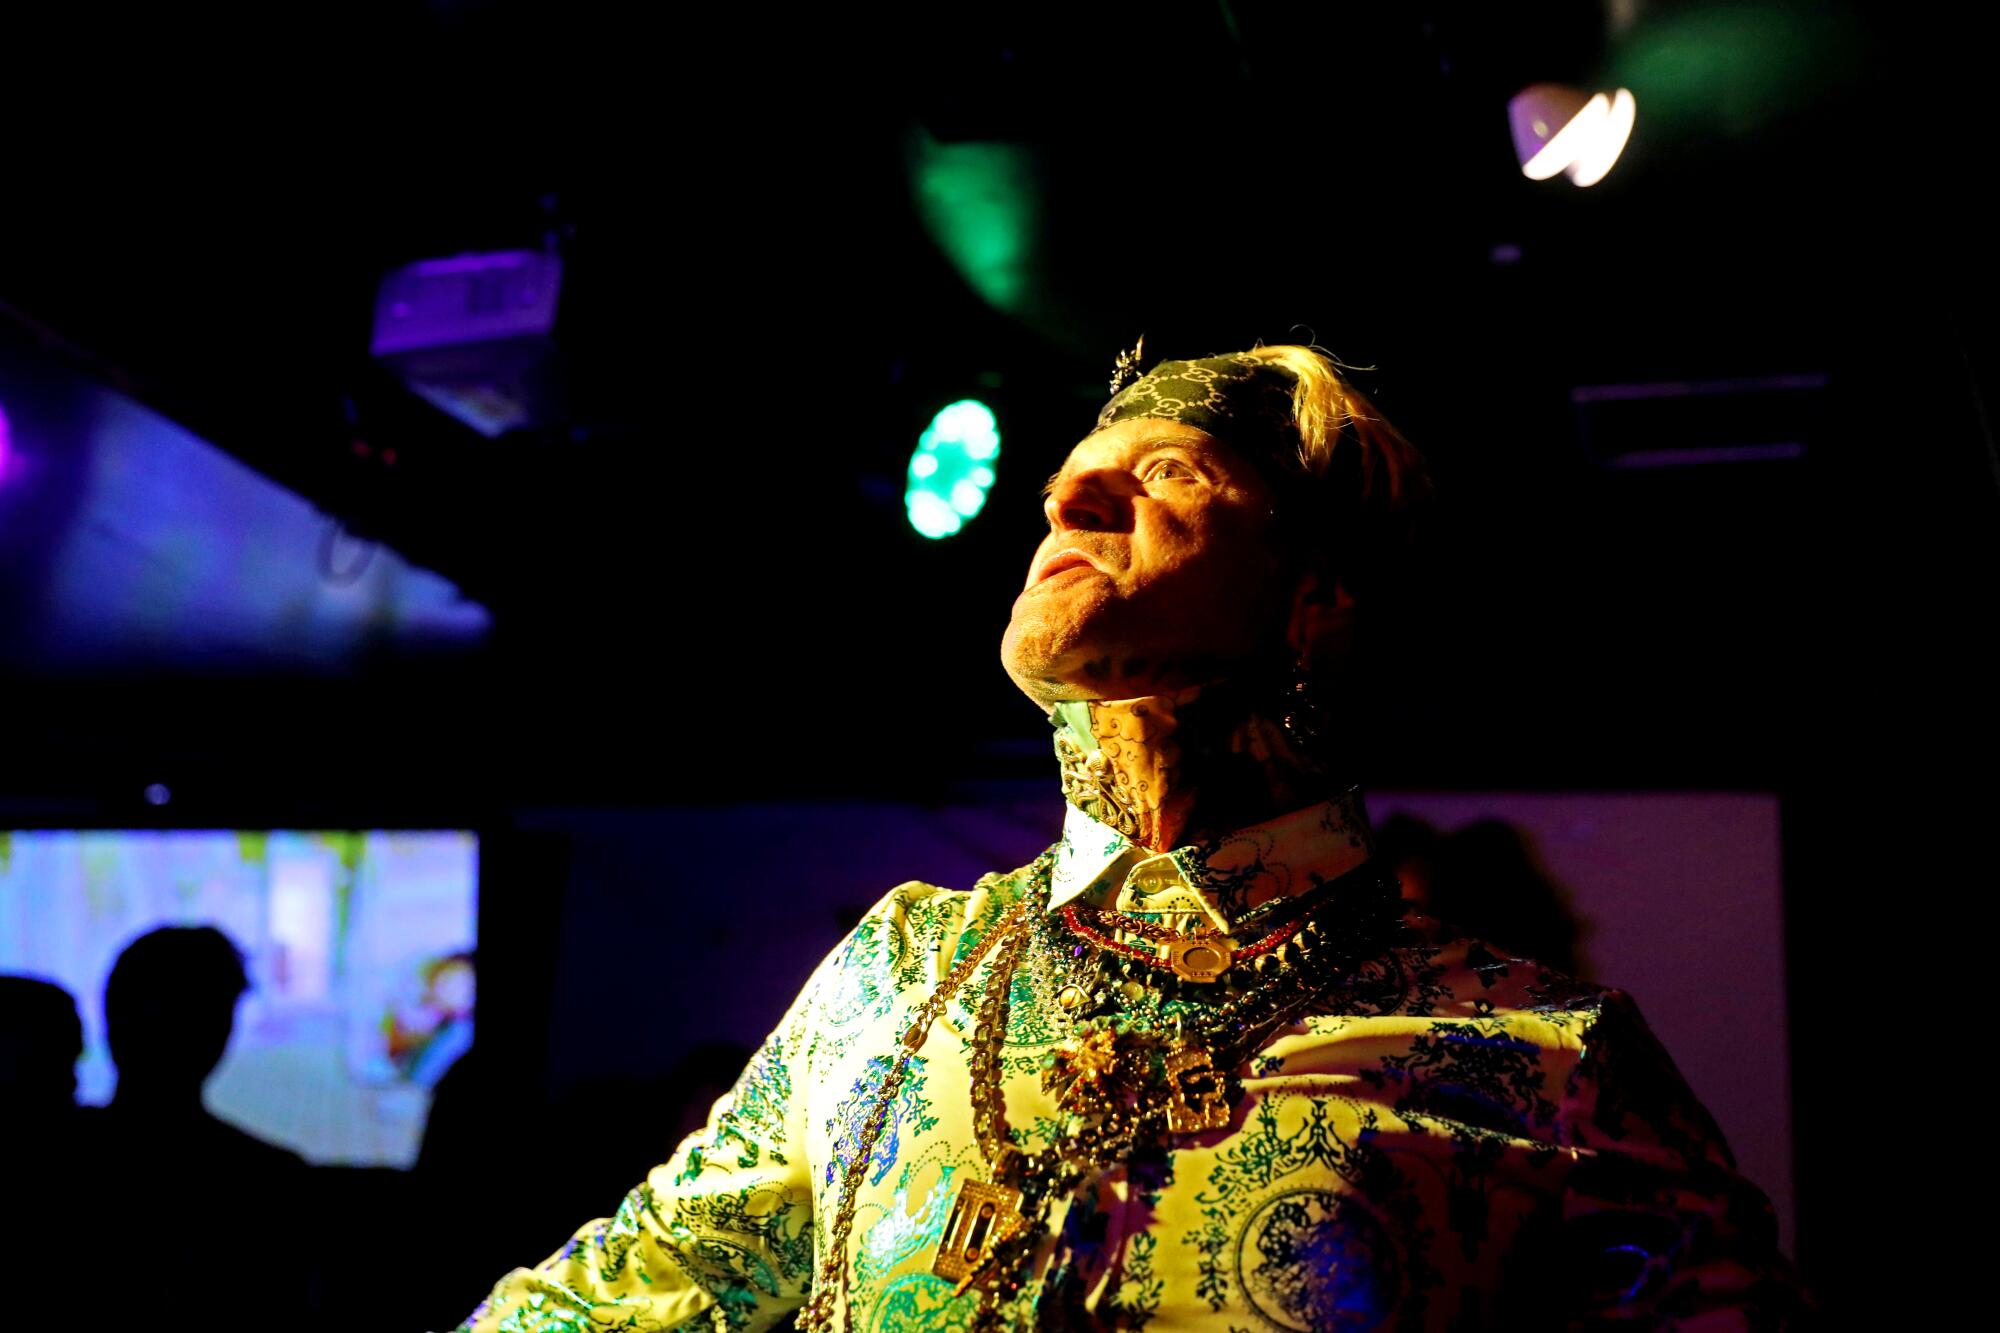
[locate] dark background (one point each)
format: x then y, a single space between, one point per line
702 586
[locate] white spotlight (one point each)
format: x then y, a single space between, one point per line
1559 129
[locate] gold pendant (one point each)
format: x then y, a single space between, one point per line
1195 1100
1199 957
983 1214
1086 1073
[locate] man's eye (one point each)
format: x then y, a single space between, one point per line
1167 468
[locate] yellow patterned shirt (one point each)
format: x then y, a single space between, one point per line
1450 1139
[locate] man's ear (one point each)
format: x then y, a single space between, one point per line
1321 628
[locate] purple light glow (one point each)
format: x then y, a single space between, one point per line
460 264
464 299
4 443
1603 393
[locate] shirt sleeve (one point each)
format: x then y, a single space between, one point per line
1657 1228
720 1237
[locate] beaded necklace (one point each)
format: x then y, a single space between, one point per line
1129 1079
1201 956
1139 1066
1340 923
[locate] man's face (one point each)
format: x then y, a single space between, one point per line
1159 570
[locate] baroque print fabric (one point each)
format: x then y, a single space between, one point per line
1451 1139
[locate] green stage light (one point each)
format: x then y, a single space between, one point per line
981 204
952 468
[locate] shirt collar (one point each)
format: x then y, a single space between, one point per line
1221 878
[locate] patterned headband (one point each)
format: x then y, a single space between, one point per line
1239 399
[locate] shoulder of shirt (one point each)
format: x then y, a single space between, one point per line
1620 1074
919 912
1462 976
997 891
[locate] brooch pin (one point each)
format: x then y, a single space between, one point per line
1126 368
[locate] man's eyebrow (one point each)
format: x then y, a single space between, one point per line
1153 443
1141 448
1199 450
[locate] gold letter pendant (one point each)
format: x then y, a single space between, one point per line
1195 1100
982 1216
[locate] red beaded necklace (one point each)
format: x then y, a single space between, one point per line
1193 957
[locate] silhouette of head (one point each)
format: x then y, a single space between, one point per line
41 1040
1486 879
169 1007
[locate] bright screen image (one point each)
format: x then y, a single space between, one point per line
358 947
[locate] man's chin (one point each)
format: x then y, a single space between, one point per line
1041 661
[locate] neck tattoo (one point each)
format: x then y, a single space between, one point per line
1167 768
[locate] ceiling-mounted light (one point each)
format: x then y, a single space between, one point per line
952 468
1563 130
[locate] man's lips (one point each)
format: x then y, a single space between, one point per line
1058 561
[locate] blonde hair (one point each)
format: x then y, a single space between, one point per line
1371 482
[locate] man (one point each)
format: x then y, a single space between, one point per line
1195 1067
198 1181
46 1132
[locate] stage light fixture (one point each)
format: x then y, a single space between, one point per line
465 332
1560 130
952 468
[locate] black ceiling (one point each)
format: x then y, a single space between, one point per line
701 577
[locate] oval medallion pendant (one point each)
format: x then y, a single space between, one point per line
1199 957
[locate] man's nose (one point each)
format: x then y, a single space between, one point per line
1081 503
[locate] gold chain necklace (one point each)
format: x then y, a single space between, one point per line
831 1284
1114 1087
1114 1090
